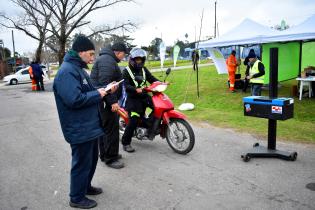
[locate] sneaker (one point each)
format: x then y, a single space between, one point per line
115 164
94 191
128 148
85 203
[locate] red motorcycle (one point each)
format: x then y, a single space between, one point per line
168 123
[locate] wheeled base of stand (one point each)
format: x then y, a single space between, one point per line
264 152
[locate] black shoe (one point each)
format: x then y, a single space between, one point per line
85 203
106 160
151 136
94 191
116 164
128 148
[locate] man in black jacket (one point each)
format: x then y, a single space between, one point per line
135 77
105 71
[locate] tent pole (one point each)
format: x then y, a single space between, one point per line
300 58
239 58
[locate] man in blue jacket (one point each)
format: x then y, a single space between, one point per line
77 103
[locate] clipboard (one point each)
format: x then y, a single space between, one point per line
109 86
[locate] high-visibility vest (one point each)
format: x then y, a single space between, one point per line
254 70
134 79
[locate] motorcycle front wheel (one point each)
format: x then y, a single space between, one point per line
180 136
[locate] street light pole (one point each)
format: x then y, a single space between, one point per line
215 19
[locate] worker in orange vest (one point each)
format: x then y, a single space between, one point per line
34 86
232 64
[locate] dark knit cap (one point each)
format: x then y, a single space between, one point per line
119 46
82 43
251 54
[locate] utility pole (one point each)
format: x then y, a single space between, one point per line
14 60
215 19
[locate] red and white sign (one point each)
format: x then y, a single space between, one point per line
276 109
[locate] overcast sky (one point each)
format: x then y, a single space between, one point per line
172 19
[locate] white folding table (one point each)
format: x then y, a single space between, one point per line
307 81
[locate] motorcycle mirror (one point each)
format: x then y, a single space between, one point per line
168 71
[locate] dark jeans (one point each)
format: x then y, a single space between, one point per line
109 143
256 89
39 84
83 165
246 83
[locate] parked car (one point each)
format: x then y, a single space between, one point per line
21 76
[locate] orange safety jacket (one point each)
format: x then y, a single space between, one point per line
231 63
30 71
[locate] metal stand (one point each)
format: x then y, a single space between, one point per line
271 151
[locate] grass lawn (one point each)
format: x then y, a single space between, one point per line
219 107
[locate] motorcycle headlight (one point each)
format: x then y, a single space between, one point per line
160 88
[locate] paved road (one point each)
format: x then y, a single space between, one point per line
35 163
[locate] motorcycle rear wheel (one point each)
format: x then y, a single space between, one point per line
180 136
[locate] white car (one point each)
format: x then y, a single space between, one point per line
21 76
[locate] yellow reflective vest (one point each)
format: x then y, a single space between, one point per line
254 70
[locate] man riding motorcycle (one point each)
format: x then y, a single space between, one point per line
135 77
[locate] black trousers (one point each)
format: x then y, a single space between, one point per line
109 143
130 129
83 165
39 84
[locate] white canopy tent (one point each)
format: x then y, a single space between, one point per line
303 31
296 45
247 32
250 32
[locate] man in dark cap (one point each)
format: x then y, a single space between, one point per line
256 73
77 104
105 71
247 64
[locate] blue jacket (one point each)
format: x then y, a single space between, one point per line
37 70
77 101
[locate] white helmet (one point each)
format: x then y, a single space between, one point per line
137 53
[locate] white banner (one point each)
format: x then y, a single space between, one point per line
176 50
218 60
162 53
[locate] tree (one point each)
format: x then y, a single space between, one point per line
102 41
154 47
33 21
4 53
52 22
70 15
